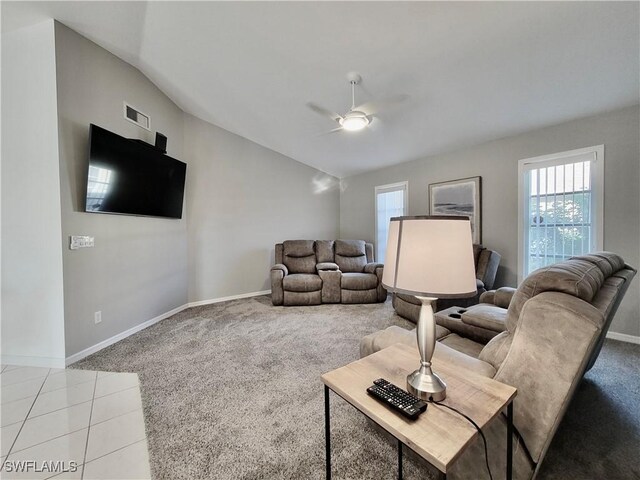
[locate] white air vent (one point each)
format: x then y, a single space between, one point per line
136 116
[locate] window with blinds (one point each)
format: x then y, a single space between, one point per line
561 207
391 201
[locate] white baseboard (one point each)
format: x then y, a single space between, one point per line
623 337
121 336
226 299
22 360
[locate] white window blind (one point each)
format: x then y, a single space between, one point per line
391 201
561 206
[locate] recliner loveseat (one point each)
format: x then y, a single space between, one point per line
312 272
556 322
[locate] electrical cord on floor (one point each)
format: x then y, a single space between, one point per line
486 452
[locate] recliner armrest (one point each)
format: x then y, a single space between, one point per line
371 267
500 297
281 267
324 266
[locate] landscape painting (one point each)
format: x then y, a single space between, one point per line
459 198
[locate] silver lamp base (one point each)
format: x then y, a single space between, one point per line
425 384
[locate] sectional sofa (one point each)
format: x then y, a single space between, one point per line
554 325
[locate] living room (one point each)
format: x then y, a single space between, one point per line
473 97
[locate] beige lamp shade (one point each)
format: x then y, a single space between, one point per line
430 257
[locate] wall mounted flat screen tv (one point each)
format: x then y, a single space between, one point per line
129 177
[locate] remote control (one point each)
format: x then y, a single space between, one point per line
408 405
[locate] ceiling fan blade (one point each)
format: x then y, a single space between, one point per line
324 112
369 108
330 131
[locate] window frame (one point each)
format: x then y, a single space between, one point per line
597 194
390 187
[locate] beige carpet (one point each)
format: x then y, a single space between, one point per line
232 391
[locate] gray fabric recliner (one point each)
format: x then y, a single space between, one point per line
486 261
556 322
312 272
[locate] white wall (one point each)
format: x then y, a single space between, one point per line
242 199
497 163
32 279
138 268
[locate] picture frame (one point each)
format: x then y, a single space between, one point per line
461 197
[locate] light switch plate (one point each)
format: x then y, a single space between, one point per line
80 241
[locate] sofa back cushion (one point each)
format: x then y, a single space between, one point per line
299 256
581 277
350 255
324 251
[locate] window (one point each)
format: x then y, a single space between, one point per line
391 201
560 207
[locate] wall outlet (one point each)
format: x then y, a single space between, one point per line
97 317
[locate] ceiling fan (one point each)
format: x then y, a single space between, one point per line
358 117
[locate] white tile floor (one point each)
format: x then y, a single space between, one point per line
54 419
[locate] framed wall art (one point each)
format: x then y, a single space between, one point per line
461 197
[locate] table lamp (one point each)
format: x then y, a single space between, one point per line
430 257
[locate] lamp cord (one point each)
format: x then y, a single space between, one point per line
484 440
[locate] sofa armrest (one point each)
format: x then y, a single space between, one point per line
376 341
281 267
324 266
500 297
372 266
278 272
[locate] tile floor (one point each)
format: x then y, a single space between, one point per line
71 424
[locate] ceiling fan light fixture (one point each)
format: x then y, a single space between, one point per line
353 123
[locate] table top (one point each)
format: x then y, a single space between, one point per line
438 435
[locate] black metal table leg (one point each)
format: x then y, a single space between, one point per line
510 441
327 433
399 460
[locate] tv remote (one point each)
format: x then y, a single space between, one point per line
408 405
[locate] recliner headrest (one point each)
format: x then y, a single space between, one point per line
350 248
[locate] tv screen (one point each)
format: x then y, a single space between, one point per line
129 177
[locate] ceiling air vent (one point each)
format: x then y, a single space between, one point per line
136 116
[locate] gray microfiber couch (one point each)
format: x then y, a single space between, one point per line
311 272
556 322
487 262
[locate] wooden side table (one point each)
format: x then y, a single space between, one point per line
439 435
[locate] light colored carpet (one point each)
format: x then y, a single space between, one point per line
233 391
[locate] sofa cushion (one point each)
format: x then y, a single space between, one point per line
350 255
299 256
390 336
577 277
302 282
486 316
460 352
607 262
359 281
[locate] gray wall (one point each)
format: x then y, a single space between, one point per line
242 199
138 268
497 163
32 301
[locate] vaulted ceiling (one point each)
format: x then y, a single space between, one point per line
474 71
